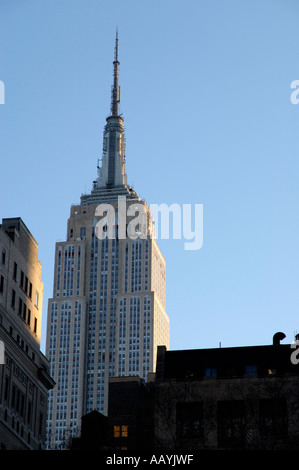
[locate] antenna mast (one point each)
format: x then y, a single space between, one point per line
115 89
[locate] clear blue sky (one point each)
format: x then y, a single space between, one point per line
206 100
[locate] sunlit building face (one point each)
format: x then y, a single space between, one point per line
107 314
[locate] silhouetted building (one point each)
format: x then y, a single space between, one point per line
209 399
130 415
94 433
227 398
129 425
24 370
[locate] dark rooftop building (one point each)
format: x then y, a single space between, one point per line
207 399
259 361
129 425
227 398
93 433
130 413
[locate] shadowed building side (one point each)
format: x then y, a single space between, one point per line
24 370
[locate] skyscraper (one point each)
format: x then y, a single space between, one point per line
107 315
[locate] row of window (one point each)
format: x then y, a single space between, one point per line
24 282
18 427
65 321
233 420
25 285
20 403
137 266
23 310
250 370
20 341
69 282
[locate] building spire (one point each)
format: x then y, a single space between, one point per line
115 99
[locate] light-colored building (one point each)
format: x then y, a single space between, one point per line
24 370
107 315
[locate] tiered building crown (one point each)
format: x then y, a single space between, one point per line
111 181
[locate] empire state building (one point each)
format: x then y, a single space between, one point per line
107 314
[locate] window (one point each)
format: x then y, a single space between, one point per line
20 306
29 412
13 298
30 291
251 370
210 372
83 233
24 311
36 298
189 420
120 431
272 419
35 325
116 431
22 280
26 285
22 405
1 284
3 256
6 389
15 271
41 418
231 424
